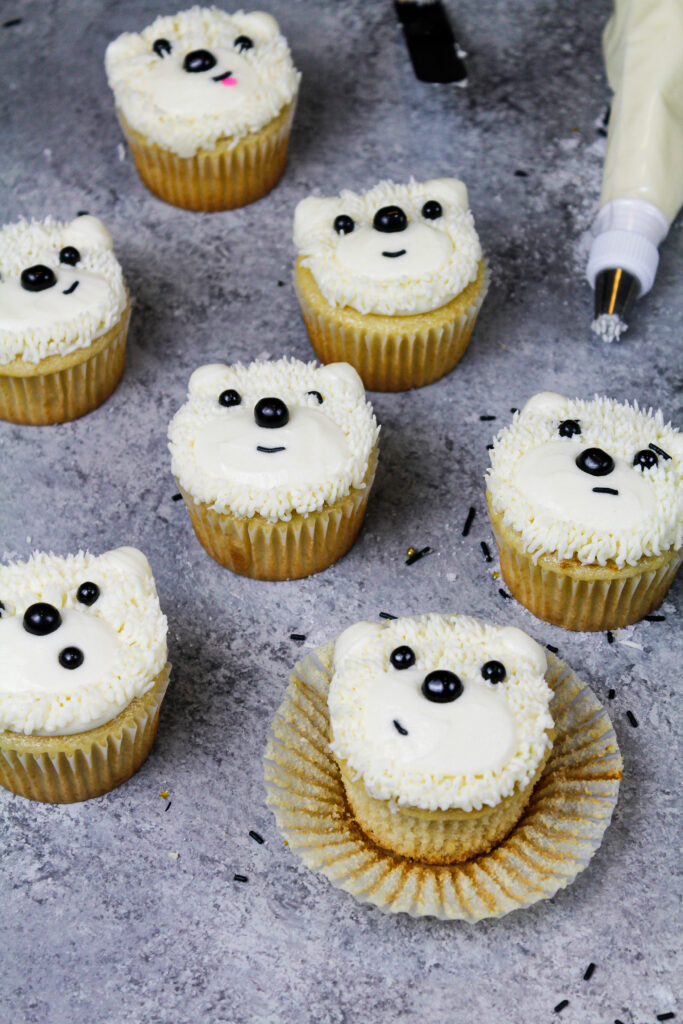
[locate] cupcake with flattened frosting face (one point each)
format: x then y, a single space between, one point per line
390 280
275 461
206 101
586 502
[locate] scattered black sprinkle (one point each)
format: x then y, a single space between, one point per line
400 728
514 409
553 649
281 284
610 636
504 593
612 694
489 447
588 973
616 1021
655 618
468 522
632 719
297 636
386 615
561 1005
257 837
666 1016
177 497
240 878
12 22
485 549
82 213
417 555
486 418
168 805
519 173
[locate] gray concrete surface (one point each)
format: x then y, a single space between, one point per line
100 920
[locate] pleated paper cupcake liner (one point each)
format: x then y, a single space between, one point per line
586 598
66 769
304 545
391 353
62 388
557 834
220 178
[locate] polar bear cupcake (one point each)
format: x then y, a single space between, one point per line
64 314
586 503
206 102
390 280
441 728
83 672
275 461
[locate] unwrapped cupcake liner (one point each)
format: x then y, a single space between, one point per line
558 833
66 769
390 357
221 178
586 598
62 388
304 545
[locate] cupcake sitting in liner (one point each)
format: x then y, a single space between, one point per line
64 312
390 280
586 504
275 461
83 672
441 728
206 102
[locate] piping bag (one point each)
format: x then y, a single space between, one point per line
642 185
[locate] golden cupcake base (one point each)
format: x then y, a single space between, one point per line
391 353
304 545
582 597
62 388
66 769
221 178
559 831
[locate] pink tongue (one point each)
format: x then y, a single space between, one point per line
229 81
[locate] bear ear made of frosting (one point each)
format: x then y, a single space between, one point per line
450 192
522 647
260 24
130 561
206 379
546 403
353 639
87 232
311 215
345 375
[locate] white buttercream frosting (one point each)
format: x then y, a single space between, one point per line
535 482
122 637
398 273
85 301
316 458
470 752
185 111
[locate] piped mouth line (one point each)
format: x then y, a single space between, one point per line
604 490
74 286
223 76
261 448
393 255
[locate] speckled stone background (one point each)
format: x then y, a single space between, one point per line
124 910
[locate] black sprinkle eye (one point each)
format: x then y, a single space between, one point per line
199 60
402 657
432 210
161 47
2 608
343 224
494 671
69 254
87 593
569 428
71 657
244 43
229 397
317 395
646 459
38 278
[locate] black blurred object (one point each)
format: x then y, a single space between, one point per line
615 292
435 55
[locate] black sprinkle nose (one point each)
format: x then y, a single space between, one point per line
41 619
38 278
71 657
271 412
229 397
244 43
87 593
343 224
402 657
161 47
595 462
69 254
569 428
646 459
442 686
199 60
389 219
494 671
432 210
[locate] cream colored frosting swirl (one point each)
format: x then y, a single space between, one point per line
419 267
465 753
625 513
251 80
121 637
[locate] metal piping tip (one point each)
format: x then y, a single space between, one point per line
615 292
